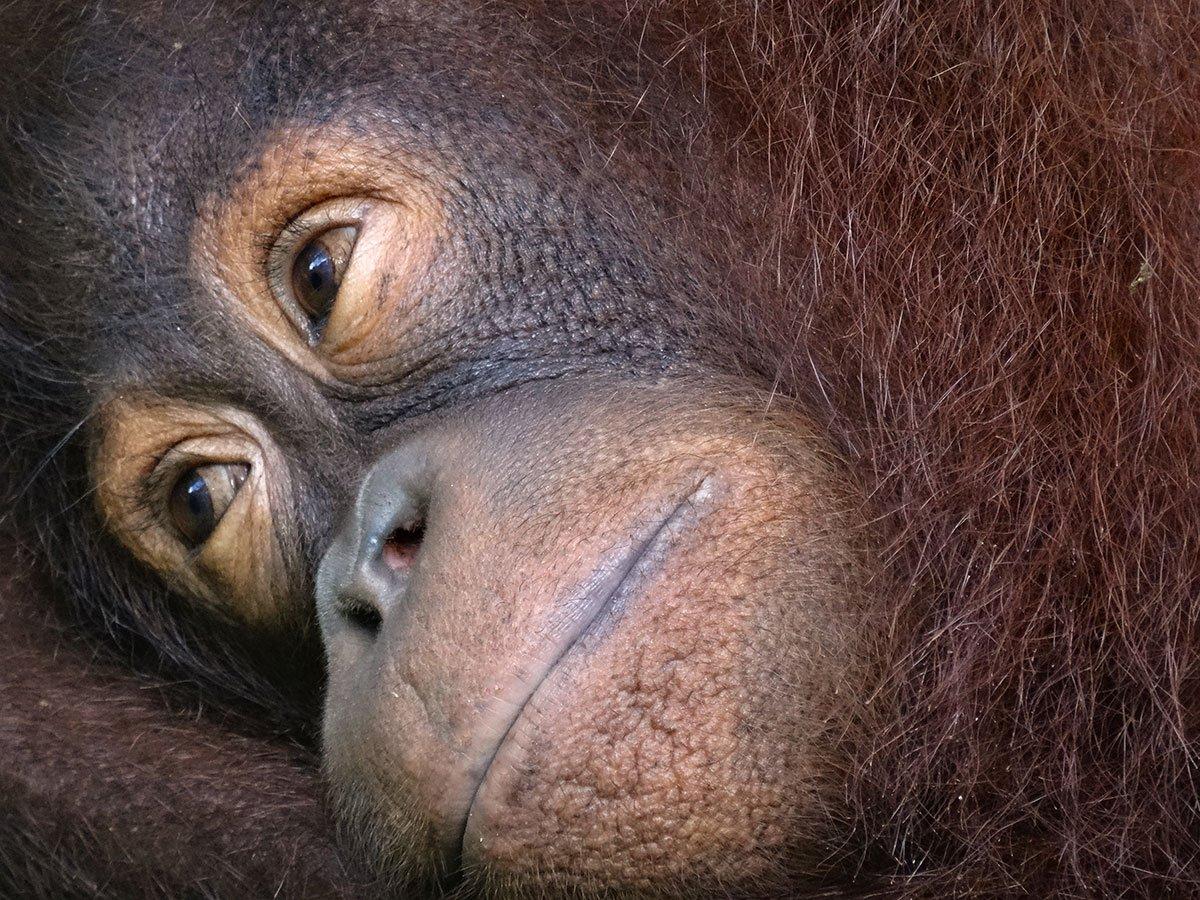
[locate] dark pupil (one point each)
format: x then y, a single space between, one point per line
315 277
192 508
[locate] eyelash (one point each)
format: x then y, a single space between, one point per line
290 234
291 231
152 490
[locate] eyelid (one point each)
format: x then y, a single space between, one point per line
343 245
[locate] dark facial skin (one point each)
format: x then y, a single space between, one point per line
396 330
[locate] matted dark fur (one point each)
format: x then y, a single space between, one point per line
121 786
977 263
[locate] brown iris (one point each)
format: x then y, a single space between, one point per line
317 274
201 497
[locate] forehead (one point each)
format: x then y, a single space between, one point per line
156 109
186 88
169 100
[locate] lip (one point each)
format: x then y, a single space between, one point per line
614 577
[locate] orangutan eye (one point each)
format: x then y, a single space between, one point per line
201 497
317 273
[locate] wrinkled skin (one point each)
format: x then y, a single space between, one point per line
482 416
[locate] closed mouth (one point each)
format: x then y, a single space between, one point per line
612 579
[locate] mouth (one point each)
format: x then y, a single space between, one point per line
587 607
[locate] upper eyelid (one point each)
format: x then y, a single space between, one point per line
167 465
296 233
314 218
320 216
296 229
173 462
291 239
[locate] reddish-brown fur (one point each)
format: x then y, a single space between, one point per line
984 257
988 229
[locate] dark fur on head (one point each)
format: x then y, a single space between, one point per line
975 257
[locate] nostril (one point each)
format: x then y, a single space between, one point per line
362 615
366 572
401 548
379 578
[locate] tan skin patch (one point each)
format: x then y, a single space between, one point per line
244 569
306 185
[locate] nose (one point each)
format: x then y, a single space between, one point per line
365 574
